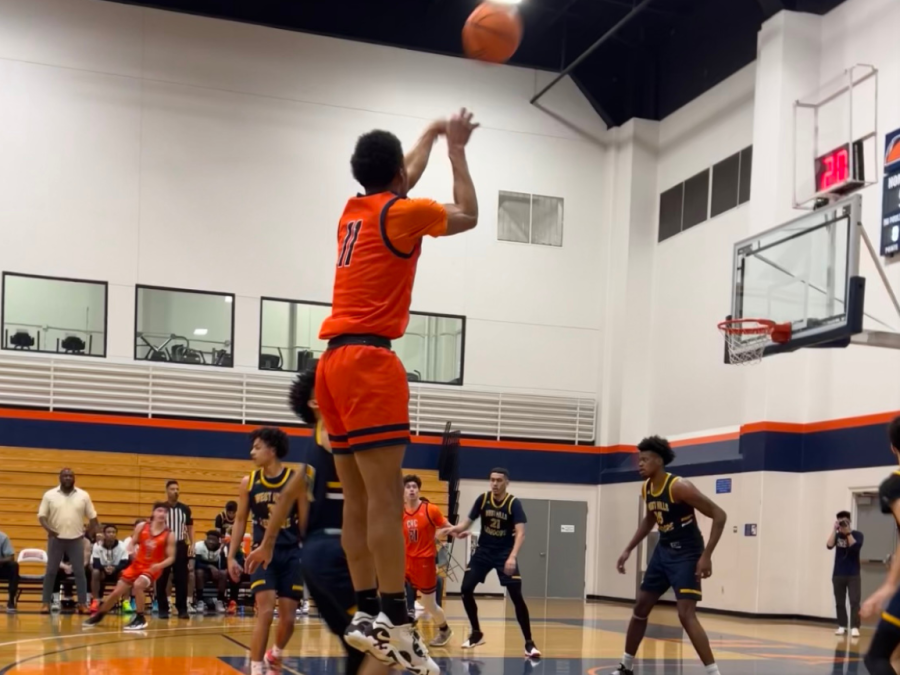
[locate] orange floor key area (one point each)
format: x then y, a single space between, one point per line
576 639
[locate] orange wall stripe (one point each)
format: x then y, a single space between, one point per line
229 427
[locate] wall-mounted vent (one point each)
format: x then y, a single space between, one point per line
530 219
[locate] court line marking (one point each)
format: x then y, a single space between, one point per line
241 644
115 632
16 664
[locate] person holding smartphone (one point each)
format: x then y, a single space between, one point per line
847 543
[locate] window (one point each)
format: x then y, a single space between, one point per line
725 185
60 316
671 204
744 181
691 202
181 326
696 200
530 219
432 350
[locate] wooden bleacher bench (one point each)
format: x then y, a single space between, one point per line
124 486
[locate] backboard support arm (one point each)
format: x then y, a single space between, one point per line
877 338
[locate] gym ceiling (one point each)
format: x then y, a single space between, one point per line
665 55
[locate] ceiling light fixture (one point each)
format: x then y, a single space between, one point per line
200 331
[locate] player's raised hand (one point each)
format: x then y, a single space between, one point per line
459 129
620 564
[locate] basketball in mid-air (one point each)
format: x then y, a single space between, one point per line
492 33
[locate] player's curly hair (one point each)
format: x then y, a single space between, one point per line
377 160
894 432
301 394
412 478
275 438
658 445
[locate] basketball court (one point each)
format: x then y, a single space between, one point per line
576 638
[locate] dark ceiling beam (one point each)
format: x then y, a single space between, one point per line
650 10
590 50
771 7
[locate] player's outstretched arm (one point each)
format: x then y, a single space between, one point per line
645 528
416 160
461 530
238 529
462 214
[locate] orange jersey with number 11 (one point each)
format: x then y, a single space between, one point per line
420 528
379 243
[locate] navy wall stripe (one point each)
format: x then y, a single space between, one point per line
831 450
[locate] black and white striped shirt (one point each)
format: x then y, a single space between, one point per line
178 520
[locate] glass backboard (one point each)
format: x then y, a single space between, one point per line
806 273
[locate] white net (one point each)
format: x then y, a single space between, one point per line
746 340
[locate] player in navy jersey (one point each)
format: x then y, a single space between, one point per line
887 598
680 559
502 535
324 563
258 494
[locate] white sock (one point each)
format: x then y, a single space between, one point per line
627 661
276 651
257 668
712 669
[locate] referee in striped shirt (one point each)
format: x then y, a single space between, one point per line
181 524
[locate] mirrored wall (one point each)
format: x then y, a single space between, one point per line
432 350
55 315
183 326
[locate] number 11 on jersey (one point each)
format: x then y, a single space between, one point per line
349 243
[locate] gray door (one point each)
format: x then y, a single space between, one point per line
880 542
533 554
568 549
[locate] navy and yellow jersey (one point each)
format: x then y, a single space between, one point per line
326 496
498 520
674 520
889 492
263 493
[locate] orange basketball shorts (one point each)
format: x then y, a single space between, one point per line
131 573
363 396
421 574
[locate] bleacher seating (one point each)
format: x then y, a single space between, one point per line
123 487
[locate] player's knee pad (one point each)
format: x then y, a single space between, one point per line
639 618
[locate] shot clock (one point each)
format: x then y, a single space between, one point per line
834 168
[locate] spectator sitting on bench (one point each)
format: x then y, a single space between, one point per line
107 560
210 567
9 571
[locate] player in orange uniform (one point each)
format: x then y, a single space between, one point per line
361 384
423 522
154 551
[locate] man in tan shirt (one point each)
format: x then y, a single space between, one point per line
62 513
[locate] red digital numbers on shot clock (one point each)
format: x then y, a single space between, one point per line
833 169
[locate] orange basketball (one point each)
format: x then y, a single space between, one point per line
492 33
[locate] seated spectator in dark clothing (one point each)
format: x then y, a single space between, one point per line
9 571
225 519
107 560
210 566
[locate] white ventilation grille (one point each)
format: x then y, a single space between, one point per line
530 219
168 390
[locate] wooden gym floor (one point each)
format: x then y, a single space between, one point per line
576 639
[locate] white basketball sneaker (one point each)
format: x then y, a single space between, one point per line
402 645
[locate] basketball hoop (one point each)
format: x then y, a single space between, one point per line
746 339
